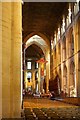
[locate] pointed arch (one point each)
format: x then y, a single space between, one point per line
39 34
39 41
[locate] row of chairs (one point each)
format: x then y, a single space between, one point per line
51 113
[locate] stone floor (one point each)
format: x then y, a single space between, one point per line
46 109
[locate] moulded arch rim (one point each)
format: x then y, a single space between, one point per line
70 33
36 43
39 34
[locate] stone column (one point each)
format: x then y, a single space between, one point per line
77 56
6 58
39 73
11 59
25 79
68 77
62 80
64 54
78 70
78 84
47 71
33 80
61 51
67 62
16 45
0 60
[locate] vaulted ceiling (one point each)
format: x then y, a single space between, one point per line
42 17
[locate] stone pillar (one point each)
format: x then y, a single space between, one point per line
47 71
67 62
62 80
39 78
33 80
11 59
77 56
16 45
64 54
78 84
6 58
68 77
0 60
25 79
61 51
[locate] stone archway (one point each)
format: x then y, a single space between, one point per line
40 42
39 34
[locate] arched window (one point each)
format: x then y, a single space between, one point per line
29 65
64 48
29 75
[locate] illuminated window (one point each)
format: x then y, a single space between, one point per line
28 65
29 75
58 33
52 44
54 39
36 65
36 75
63 25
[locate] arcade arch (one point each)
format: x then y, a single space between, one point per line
44 46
